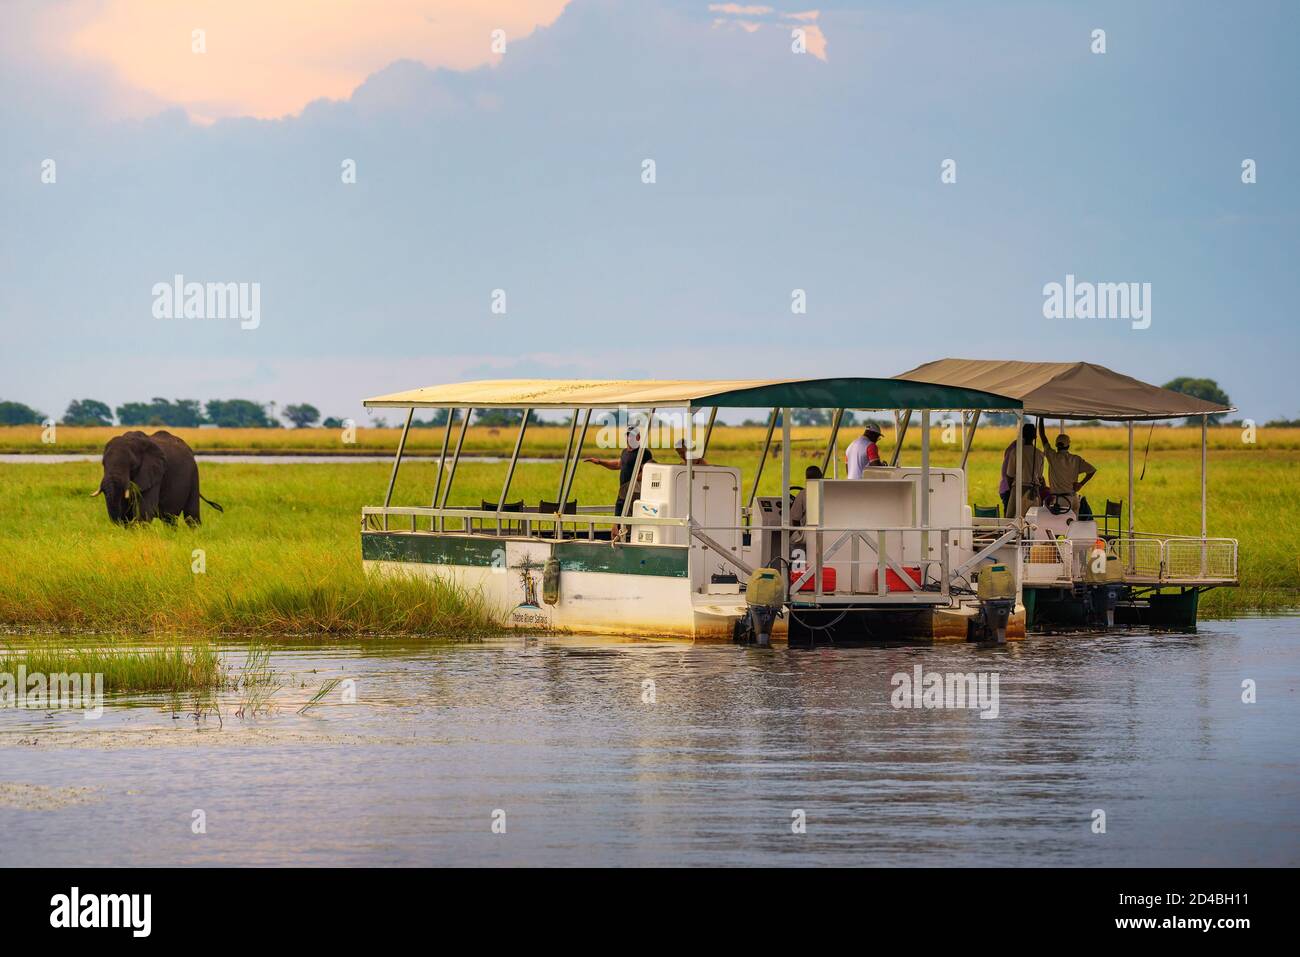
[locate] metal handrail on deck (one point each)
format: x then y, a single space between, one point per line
526 518
1145 558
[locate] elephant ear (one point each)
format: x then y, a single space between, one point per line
149 471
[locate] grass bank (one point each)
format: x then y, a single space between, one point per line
284 558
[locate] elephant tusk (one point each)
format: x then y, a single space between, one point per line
98 491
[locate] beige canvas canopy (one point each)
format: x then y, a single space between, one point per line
839 393
1065 390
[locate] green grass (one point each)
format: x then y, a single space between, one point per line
285 559
172 667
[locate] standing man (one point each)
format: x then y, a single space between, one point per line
624 465
1031 472
1064 469
862 452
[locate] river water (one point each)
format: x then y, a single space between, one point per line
563 742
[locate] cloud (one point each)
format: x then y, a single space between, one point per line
751 19
268 60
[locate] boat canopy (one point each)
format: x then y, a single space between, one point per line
1066 390
847 393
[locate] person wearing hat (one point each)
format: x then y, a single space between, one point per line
862 452
1064 469
624 465
684 455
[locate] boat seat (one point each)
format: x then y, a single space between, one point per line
1114 511
488 522
549 508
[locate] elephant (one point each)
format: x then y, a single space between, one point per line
150 476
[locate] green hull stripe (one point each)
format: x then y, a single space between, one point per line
664 561
427 549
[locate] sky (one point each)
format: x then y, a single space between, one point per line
421 191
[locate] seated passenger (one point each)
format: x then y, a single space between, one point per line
1063 471
799 507
681 453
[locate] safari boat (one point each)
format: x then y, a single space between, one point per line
697 552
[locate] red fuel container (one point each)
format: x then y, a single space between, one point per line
827 576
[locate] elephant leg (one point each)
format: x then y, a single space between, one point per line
191 510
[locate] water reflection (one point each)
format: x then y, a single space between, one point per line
561 735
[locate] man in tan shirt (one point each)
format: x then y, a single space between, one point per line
1063 470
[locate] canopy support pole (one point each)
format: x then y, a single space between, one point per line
1132 558
455 460
925 491
767 448
1205 430
401 446
1205 436
510 469
830 446
689 439
564 467
572 473
968 436
785 498
1017 496
1016 492
442 464
900 433
708 431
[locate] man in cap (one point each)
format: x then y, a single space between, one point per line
862 452
1063 470
624 465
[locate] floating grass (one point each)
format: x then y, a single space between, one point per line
170 668
321 694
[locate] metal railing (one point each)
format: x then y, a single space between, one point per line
865 550
1145 558
1047 561
527 521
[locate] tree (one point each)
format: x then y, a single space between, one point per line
87 412
497 418
810 417
15 413
438 419
302 415
238 414
182 413
1206 389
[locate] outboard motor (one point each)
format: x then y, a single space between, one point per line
997 595
765 596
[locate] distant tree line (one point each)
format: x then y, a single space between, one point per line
247 414
178 413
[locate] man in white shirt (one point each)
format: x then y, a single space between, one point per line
862 452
